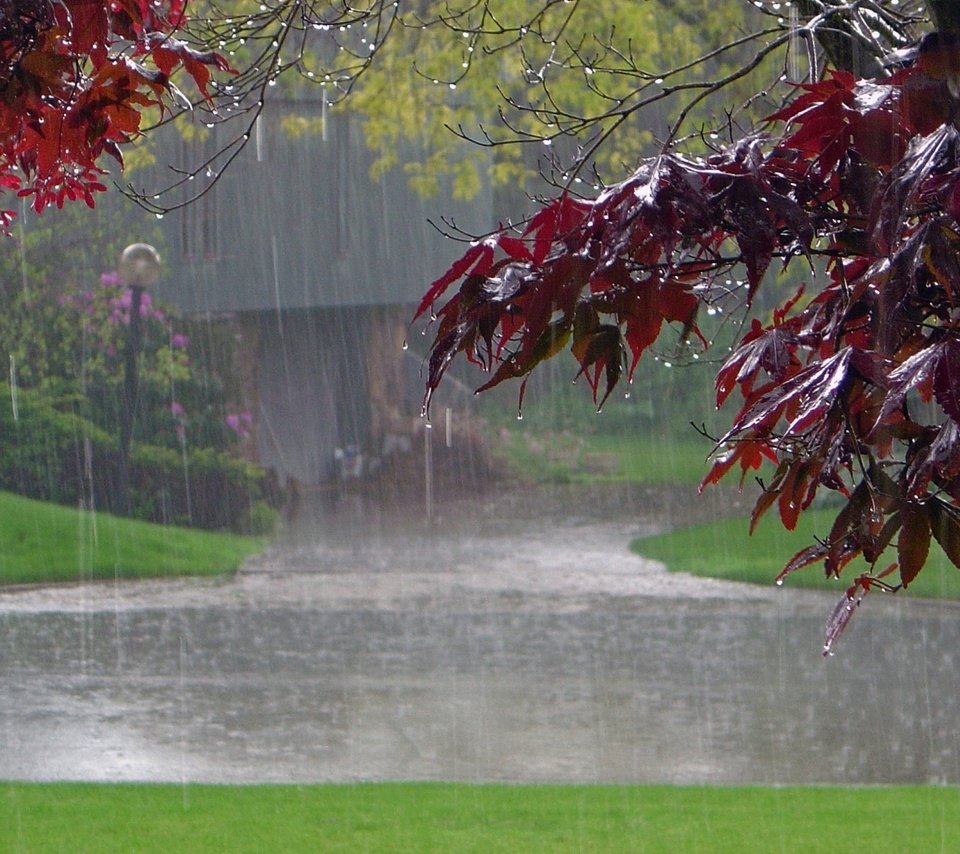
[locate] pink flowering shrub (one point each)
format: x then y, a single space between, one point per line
65 350
240 423
74 344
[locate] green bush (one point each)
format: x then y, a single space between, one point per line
49 451
262 519
46 453
201 487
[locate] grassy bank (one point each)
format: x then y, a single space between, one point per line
455 817
723 549
42 542
569 457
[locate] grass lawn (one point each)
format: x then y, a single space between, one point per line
42 542
566 457
437 817
723 549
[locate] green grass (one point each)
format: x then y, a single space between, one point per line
42 542
568 457
723 549
436 817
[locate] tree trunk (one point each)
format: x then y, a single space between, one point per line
844 48
945 15
386 328
847 51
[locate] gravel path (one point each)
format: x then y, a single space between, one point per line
563 549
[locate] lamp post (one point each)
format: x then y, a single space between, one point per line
139 268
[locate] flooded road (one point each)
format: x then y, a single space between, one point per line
481 647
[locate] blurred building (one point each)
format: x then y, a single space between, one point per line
311 269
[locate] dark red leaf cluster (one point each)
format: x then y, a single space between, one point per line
853 385
604 276
75 79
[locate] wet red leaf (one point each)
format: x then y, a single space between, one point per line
914 542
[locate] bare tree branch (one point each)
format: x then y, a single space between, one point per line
334 44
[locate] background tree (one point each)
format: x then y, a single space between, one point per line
502 80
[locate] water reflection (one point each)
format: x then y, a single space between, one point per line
443 674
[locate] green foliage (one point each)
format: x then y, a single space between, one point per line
201 487
470 72
68 248
70 340
261 519
431 817
42 543
50 451
645 436
64 326
666 395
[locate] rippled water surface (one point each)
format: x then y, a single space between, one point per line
486 649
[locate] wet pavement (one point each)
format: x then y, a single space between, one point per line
512 639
